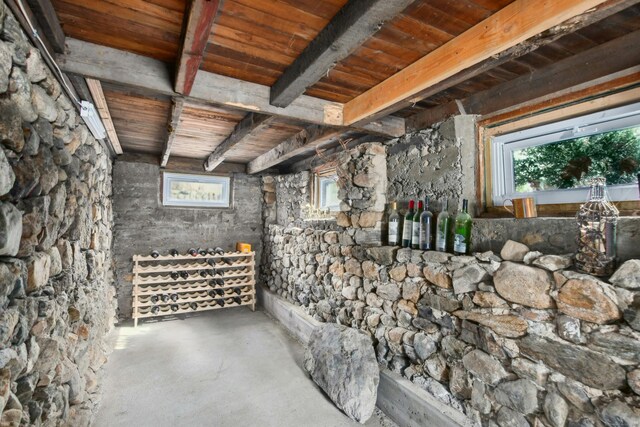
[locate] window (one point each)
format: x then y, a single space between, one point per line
554 162
195 190
328 193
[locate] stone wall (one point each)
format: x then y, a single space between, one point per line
513 339
56 293
143 224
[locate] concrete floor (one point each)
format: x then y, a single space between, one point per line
221 368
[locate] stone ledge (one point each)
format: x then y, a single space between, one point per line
401 400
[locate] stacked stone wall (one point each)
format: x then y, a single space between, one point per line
513 339
56 293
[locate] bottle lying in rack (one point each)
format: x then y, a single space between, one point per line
155 254
165 298
154 299
237 300
184 274
204 273
193 306
202 252
237 291
174 297
193 251
155 309
173 252
227 261
211 251
220 302
218 250
211 262
175 275
174 307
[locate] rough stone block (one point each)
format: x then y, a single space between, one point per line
10 229
342 362
523 285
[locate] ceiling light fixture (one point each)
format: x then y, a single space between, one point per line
90 115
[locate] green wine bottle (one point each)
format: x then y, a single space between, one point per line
442 227
462 236
415 235
407 229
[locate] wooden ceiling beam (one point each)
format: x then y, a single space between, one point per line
177 105
574 24
103 111
198 21
622 55
49 23
503 30
250 124
356 22
310 137
153 76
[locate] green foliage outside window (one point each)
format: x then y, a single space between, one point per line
572 163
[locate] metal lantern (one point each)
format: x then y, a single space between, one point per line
597 221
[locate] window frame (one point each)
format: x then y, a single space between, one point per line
539 112
169 177
321 180
327 170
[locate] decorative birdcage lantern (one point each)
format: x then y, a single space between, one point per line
597 221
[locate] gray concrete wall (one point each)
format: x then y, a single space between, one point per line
143 224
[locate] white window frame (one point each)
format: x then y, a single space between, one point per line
322 182
503 146
170 177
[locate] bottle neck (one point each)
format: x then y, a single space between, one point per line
411 205
465 206
420 206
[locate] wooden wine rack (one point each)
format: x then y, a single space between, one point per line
152 281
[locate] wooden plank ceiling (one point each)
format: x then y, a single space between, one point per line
255 41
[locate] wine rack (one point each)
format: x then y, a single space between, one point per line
169 285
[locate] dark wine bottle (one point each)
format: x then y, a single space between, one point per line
154 299
227 261
155 309
211 251
173 252
212 293
155 254
237 300
175 275
211 262
193 252
219 282
221 302
174 297
237 291
220 292
218 250
203 273
164 298
174 307
193 306
407 228
202 252
184 274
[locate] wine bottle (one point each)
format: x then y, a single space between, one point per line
415 229
165 298
237 300
203 273
174 275
193 306
174 307
221 302
154 299
220 292
462 236
211 262
219 282
212 293
173 252
425 227
407 229
202 252
174 297
184 274
155 309
218 250
155 254
442 227
237 291
394 223
211 251
193 252
227 261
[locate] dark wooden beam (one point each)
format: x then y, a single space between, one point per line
576 23
177 105
49 23
615 56
508 27
199 18
312 136
250 124
356 22
182 164
151 76
80 85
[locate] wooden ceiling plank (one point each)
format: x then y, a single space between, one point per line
49 23
177 106
507 28
150 75
309 137
351 27
103 111
622 55
197 28
252 122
